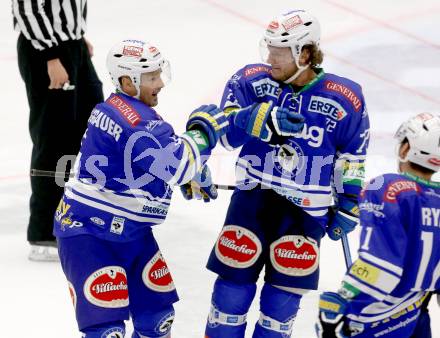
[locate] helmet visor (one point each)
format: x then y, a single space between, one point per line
163 74
276 56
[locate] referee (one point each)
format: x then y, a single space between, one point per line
62 88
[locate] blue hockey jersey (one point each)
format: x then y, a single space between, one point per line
129 161
399 255
333 142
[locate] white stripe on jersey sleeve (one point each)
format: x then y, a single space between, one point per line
190 165
187 158
103 207
351 157
130 203
364 288
225 143
374 276
379 310
378 261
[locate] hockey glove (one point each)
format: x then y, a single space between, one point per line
210 120
345 219
330 323
200 187
268 122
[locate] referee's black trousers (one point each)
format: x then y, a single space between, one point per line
57 122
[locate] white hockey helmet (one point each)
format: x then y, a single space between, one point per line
133 58
295 30
423 134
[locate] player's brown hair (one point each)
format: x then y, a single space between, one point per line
316 55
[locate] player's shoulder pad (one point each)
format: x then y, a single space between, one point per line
257 78
373 206
251 72
389 188
345 91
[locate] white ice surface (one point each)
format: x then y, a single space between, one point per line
392 48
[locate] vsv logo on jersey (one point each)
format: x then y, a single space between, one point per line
265 87
107 287
294 255
164 325
397 187
327 107
156 274
114 332
237 247
289 158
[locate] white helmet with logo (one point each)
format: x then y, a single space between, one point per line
295 30
423 134
133 58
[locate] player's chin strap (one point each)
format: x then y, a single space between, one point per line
300 70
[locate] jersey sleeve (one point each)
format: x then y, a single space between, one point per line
377 271
352 143
234 97
171 158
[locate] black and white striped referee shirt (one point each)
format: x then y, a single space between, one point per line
46 23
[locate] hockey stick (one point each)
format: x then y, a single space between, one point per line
58 174
346 249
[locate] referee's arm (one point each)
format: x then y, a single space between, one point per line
34 24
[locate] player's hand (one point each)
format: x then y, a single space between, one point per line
268 122
330 323
57 74
200 187
345 219
210 120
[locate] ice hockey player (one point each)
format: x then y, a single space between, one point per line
279 212
129 161
385 292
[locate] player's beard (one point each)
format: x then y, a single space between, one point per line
283 72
